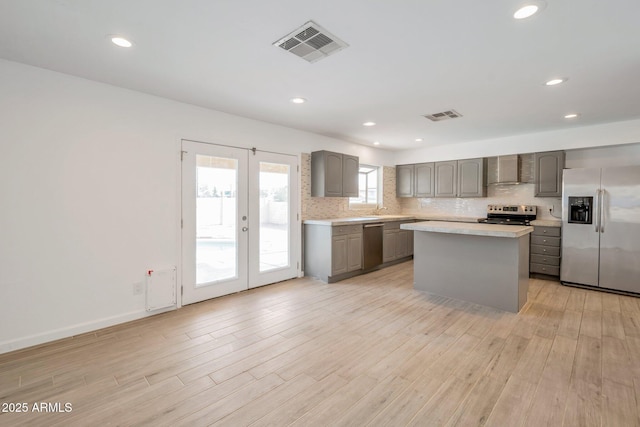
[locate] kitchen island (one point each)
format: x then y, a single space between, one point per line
485 264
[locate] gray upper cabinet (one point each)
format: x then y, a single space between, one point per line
424 182
548 173
334 174
350 167
455 178
472 178
446 182
404 180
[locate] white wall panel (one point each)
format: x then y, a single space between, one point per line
89 179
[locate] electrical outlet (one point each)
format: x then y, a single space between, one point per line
138 288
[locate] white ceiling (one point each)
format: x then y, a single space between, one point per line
406 58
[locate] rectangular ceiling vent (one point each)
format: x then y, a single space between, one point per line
311 42
449 114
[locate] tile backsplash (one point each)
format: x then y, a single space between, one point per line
522 194
338 207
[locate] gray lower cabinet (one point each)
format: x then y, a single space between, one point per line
402 244
354 252
396 243
548 173
330 252
346 249
346 253
334 174
333 253
545 250
389 245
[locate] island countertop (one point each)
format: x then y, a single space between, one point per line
477 229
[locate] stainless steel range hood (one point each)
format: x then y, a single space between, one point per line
507 171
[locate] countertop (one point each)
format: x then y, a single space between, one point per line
386 218
477 229
547 223
358 220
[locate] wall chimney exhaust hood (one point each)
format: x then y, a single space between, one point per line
508 171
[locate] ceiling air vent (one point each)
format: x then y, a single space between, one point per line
311 42
449 114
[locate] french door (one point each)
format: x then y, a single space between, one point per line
240 227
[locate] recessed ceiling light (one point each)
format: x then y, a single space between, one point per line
121 41
376 143
529 9
418 139
298 100
369 124
571 116
525 11
554 82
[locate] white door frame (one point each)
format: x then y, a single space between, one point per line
295 217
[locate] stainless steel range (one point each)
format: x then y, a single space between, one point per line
510 214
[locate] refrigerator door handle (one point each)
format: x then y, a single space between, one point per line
596 210
601 208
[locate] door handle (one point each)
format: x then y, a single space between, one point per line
601 205
245 228
597 211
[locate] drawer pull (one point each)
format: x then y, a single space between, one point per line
544 250
544 231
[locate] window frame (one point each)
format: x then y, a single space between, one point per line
354 202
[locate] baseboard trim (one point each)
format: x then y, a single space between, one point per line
81 328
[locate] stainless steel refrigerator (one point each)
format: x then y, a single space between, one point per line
601 228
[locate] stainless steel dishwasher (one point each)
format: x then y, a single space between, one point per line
372 245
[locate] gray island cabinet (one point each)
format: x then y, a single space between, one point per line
485 264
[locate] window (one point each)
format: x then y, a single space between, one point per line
368 185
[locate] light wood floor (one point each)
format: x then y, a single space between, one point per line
365 351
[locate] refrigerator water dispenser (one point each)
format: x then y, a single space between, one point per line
580 210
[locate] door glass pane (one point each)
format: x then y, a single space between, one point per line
216 219
274 216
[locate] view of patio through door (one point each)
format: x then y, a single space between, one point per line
240 225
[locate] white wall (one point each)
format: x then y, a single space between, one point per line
609 134
89 178
619 155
